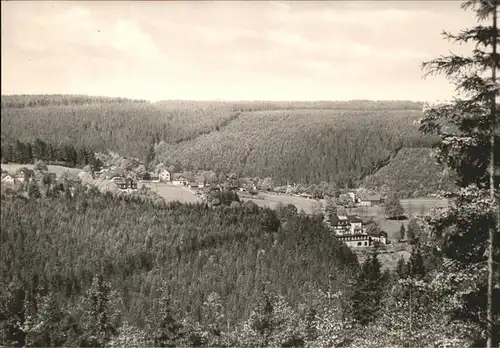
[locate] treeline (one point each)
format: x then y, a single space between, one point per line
263 105
30 100
15 151
86 269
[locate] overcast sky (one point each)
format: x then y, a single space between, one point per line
226 50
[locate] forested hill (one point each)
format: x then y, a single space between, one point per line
412 172
61 242
302 142
306 146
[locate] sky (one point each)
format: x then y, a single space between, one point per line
228 50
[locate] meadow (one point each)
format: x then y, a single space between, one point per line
172 193
272 200
412 207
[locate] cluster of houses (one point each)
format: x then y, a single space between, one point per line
351 230
363 199
128 181
174 178
23 175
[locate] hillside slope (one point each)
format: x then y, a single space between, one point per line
308 146
412 172
122 125
195 250
302 142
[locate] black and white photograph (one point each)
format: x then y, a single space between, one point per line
250 173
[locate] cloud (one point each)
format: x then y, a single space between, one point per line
124 36
222 48
289 38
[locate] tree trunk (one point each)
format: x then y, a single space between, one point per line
494 229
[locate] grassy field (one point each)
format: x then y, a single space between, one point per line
417 206
271 200
172 193
58 170
413 206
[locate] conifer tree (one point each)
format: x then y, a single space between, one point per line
412 230
401 268
416 267
150 152
213 318
368 291
96 304
468 128
167 330
402 232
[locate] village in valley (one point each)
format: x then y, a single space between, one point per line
281 174
347 213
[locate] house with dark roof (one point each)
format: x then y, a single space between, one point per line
350 229
346 224
370 199
124 183
379 236
178 179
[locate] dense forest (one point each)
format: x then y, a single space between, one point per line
302 146
412 172
301 142
66 154
61 242
83 268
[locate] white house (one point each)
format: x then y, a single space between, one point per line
8 179
353 196
349 229
349 224
355 240
164 175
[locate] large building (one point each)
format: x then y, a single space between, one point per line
351 230
347 224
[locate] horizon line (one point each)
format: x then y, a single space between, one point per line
156 100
